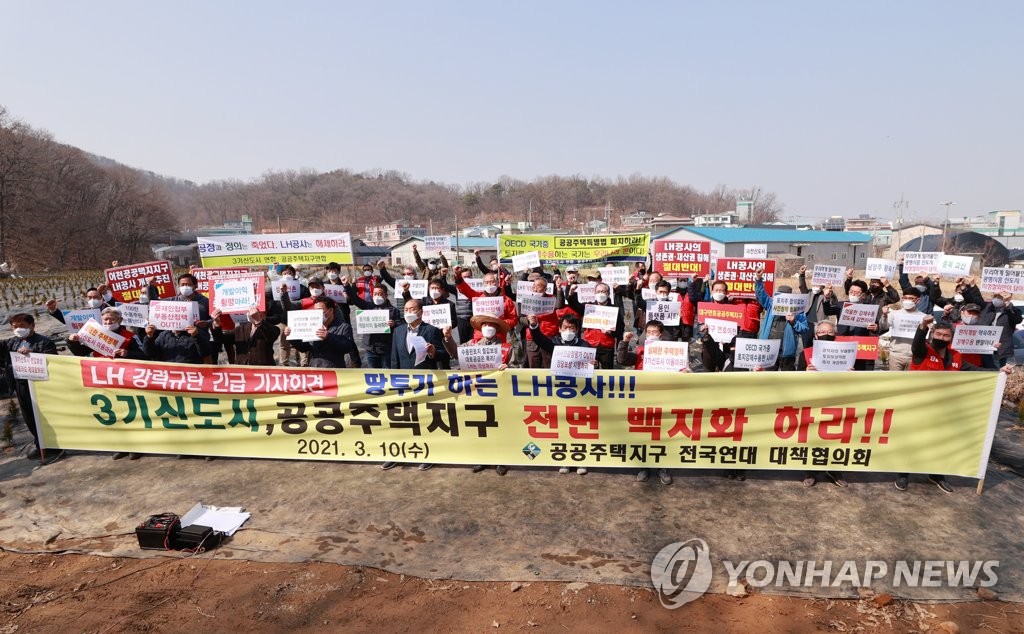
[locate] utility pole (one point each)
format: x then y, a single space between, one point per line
945 226
608 217
529 216
900 205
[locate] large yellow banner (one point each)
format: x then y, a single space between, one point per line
921 422
588 249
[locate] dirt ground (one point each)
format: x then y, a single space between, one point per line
78 593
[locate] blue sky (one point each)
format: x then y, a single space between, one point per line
838 107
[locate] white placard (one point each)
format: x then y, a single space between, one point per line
903 324
573 361
336 292
611 275
926 262
369 322
825 274
954 265
438 315
755 251
756 353
31 367
534 304
526 286
418 345
494 306
998 280
135 315
233 296
294 289
976 339
600 317
433 244
475 283
479 357
305 323
877 268
96 337
171 315
858 315
417 288
666 312
666 356
834 356
75 319
526 261
585 292
721 330
649 294
789 304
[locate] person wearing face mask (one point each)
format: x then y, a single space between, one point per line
399 286
26 341
823 331
93 300
110 319
463 306
604 340
377 345
535 357
437 295
491 289
820 296
332 275
1001 312
642 288
928 290
277 311
900 353
879 291
432 268
365 283
255 340
787 329
501 274
857 293
490 326
334 338
106 295
187 293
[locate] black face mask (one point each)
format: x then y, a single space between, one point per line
939 344
826 337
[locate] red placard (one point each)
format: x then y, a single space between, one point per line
202 275
682 258
127 282
867 347
738 275
727 312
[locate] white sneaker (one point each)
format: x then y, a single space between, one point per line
582 471
563 469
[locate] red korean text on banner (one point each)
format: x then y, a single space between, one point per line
738 275
203 275
727 312
128 282
682 258
867 347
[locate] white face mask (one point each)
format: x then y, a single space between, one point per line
490 289
651 285
408 277
909 304
434 293
652 338
22 333
816 290
568 335
958 298
144 298
718 296
854 299
411 317
288 278
185 290
108 296
662 297
432 266
316 292
997 302
379 300
332 276
95 303
600 298
969 319
367 273
489 331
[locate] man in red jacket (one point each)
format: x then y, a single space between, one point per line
603 340
491 289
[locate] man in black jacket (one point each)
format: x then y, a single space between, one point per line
334 338
26 341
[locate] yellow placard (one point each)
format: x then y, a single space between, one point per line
850 421
579 249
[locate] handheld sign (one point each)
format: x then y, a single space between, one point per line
756 353
789 304
879 267
903 324
369 322
30 367
433 244
720 330
417 288
173 315
336 292
479 357
526 261
600 317
533 304
666 356
294 289
305 323
493 306
438 315
666 312
976 339
612 275
823 275
834 356
955 265
233 296
75 319
858 315
926 262
135 315
998 280
756 251
96 337
573 361
689 258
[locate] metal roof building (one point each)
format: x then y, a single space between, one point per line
841 248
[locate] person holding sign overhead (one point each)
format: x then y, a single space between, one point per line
378 344
491 289
787 328
603 339
857 294
27 341
1001 312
